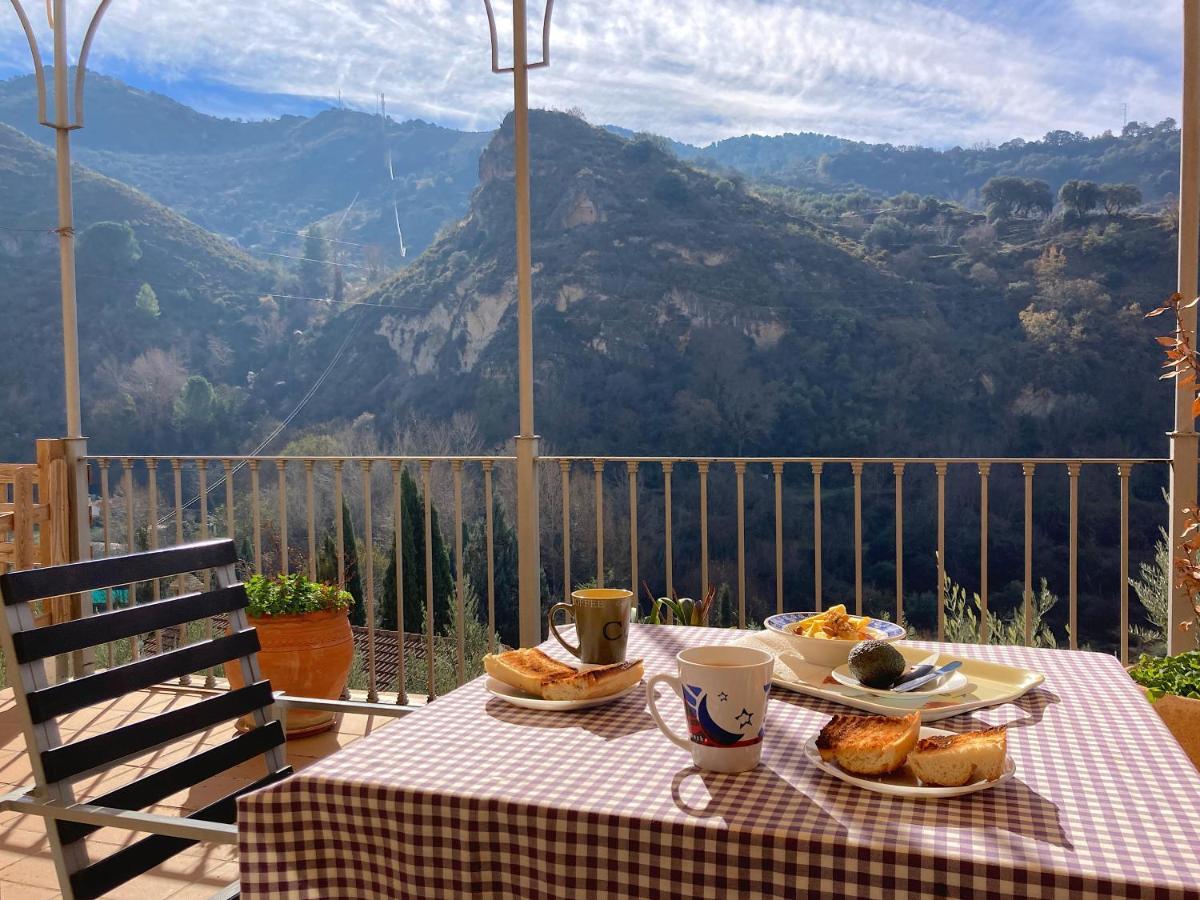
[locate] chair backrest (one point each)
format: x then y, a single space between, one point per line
57 765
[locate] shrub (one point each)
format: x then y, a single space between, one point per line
292 595
888 233
671 190
962 619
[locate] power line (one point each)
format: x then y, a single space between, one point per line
327 262
325 239
282 425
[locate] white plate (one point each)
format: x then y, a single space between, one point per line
904 783
510 694
953 683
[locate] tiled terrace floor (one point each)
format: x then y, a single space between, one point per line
26 870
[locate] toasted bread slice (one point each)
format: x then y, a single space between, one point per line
869 745
595 682
952 760
526 670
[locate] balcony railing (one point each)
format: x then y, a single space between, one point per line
622 520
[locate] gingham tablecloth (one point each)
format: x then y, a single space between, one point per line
473 796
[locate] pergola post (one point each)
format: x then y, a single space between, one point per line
529 568
1183 438
63 123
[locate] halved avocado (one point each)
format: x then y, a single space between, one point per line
876 664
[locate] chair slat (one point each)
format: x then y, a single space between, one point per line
186 773
69 696
129 862
130 740
72 578
101 628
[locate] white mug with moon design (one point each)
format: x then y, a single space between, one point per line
724 691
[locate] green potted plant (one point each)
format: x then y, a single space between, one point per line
307 647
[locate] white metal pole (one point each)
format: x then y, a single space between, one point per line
66 222
528 551
64 123
1183 438
80 527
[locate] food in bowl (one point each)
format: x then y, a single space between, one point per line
818 646
834 624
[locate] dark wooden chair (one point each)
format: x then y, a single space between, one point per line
57 765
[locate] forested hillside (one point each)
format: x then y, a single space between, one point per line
680 311
160 301
1142 154
366 180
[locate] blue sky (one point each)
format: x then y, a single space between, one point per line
934 72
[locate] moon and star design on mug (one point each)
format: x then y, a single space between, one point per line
703 728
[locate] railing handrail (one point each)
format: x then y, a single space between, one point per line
373 457
916 460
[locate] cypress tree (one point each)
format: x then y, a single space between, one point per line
412 540
327 565
504 548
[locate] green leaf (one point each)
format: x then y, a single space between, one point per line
290 595
1178 675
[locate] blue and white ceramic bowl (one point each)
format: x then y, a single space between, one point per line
824 652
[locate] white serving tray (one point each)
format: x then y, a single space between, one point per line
989 684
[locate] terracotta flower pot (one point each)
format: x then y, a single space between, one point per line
1181 715
306 655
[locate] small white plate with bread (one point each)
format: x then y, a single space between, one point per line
896 755
535 680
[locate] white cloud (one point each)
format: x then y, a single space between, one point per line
905 71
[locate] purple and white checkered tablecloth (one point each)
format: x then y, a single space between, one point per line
472 796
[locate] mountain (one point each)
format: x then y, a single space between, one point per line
1144 155
753 155
361 176
679 311
158 297
645 267
375 185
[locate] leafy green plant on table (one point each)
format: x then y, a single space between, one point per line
683 610
1178 675
293 595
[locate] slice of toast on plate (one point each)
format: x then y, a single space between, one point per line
953 760
869 745
593 683
526 670
541 675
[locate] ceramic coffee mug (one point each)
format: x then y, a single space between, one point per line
724 691
601 617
